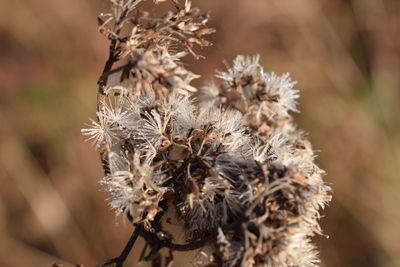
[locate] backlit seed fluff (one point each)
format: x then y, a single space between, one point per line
225 161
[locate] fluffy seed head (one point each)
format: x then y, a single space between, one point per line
226 161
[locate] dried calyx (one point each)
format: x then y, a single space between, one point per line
225 163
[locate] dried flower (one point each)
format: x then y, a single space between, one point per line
227 164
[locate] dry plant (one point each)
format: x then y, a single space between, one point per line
223 164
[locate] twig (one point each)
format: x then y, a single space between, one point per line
119 261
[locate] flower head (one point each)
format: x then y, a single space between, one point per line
227 163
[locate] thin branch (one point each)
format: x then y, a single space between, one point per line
127 66
119 261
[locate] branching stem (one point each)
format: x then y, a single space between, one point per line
119 261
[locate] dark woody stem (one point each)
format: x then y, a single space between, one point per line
119 261
113 56
155 243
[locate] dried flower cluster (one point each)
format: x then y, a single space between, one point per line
224 162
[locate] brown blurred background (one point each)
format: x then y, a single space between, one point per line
345 55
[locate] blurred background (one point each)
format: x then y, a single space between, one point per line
345 55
